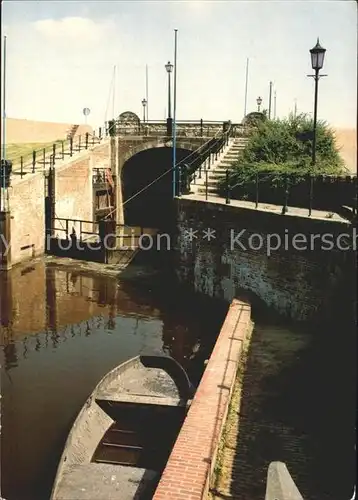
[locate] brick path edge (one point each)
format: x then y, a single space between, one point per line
192 460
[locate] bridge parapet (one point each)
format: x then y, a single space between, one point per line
159 128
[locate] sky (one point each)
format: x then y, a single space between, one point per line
61 57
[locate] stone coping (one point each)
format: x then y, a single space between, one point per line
192 461
269 208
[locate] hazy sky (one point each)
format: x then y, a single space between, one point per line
61 54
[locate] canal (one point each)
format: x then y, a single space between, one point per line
63 327
61 330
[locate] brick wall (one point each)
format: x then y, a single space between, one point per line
27 225
101 155
73 190
297 283
191 463
73 199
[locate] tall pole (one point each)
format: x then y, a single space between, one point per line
274 105
146 89
246 82
295 112
175 113
3 205
316 77
169 97
270 97
114 90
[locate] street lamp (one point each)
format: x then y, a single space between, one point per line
169 68
144 103
317 58
259 102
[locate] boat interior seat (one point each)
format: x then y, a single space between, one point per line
105 482
142 399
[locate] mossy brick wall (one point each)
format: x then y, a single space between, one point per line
301 284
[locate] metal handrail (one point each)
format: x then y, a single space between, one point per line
216 147
57 151
309 179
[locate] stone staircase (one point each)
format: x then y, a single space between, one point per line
218 169
71 132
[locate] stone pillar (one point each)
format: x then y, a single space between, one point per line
5 241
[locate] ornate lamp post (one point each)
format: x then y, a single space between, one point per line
144 103
317 58
259 102
169 69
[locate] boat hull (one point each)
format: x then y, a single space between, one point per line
135 407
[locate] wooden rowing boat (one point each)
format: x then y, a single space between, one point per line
121 439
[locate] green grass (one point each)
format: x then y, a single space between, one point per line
15 151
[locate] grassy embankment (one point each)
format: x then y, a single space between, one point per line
15 151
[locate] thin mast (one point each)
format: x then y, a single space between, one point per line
246 82
114 90
174 113
270 98
146 90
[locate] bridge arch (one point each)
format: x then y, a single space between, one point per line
132 148
147 182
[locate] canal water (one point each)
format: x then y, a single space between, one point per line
61 330
63 327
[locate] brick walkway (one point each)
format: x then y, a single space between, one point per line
289 407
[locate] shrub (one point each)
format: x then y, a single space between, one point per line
281 149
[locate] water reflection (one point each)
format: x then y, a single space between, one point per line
60 332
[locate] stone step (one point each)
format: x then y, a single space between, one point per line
211 189
219 176
212 174
224 167
211 183
226 164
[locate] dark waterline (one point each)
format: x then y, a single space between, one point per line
61 332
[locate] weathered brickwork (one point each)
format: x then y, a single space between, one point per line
101 156
297 283
73 190
26 202
73 199
190 465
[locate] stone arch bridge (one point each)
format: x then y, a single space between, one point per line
138 154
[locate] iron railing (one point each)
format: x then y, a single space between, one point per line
312 192
79 229
191 169
59 150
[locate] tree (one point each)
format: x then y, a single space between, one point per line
287 145
278 149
